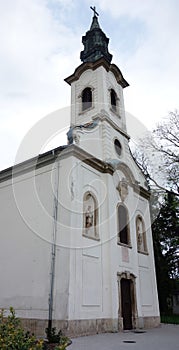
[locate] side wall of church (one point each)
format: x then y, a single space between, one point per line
27 234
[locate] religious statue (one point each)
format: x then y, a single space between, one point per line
140 235
89 217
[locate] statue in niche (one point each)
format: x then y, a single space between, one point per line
140 243
89 217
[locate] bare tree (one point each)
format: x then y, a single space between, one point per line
158 155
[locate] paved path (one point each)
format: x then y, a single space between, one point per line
165 337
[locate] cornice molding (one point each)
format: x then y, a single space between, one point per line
88 158
62 153
50 157
141 191
31 164
93 66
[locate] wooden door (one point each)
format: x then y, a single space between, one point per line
126 303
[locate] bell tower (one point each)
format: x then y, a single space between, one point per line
97 97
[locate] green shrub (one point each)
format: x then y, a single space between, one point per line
170 319
52 335
13 336
59 338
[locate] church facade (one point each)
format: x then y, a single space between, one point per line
76 241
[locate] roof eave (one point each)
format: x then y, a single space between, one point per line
93 66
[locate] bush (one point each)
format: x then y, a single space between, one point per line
170 319
13 336
54 337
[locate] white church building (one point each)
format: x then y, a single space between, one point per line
76 243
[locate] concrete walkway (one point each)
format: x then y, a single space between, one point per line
166 337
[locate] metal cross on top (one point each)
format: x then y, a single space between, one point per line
94 10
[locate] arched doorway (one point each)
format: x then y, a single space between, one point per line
127 301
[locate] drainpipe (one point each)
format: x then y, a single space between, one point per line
53 246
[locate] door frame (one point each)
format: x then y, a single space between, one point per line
129 276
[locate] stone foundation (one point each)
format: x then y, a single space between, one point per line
147 322
72 328
76 328
151 322
87 327
35 326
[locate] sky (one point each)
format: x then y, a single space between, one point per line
40 44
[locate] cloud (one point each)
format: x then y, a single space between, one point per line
31 42
151 66
35 57
136 8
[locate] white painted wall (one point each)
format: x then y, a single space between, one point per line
26 218
95 264
101 82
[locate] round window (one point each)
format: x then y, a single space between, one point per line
118 147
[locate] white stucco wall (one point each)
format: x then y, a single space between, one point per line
101 82
95 264
26 218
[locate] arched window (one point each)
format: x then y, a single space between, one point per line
113 100
86 98
141 235
118 147
90 216
123 226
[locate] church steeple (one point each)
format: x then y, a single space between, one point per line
95 43
95 23
97 88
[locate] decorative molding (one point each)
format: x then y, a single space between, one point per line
141 191
84 234
131 277
127 173
123 189
93 66
76 137
87 158
62 152
31 164
105 143
104 117
50 157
